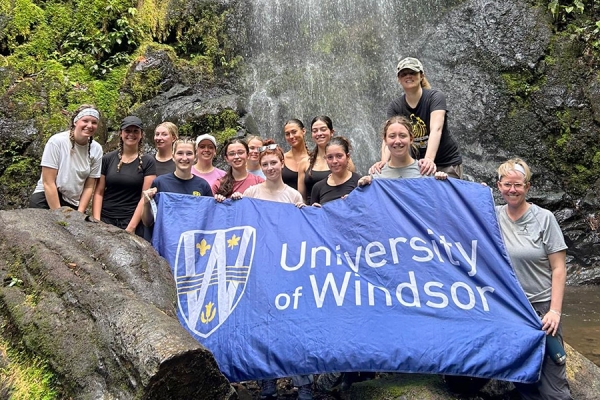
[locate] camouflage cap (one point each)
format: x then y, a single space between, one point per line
409 63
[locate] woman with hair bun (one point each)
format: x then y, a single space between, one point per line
71 164
126 173
314 169
164 136
294 132
341 181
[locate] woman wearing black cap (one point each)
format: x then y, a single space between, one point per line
426 110
126 173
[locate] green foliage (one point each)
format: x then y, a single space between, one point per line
582 19
222 126
27 376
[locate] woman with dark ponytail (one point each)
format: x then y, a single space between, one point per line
341 181
294 132
237 179
315 169
71 164
126 173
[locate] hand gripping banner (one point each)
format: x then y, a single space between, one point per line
404 275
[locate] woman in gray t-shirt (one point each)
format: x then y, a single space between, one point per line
399 138
537 250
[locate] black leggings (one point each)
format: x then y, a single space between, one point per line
38 200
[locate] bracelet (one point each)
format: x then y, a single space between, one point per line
555 312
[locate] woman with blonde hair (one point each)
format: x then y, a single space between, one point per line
537 251
164 136
71 164
426 109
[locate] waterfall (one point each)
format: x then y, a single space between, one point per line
335 58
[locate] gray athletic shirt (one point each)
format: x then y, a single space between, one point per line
528 241
410 171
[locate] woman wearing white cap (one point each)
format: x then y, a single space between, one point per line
206 150
126 173
426 109
164 136
70 164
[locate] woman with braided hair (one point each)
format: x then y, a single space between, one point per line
71 164
126 173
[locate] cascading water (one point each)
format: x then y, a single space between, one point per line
335 58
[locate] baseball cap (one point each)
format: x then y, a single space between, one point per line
206 136
409 63
131 120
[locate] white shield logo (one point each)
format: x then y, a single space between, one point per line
211 271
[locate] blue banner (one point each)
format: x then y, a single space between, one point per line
404 275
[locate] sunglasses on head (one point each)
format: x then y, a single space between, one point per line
268 147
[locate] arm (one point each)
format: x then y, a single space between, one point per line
301 172
559 277
436 123
50 190
98 197
86 194
147 216
137 214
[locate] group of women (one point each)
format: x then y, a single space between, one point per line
416 143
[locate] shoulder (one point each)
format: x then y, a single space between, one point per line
355 177
111 155
255 178
252 191
219 172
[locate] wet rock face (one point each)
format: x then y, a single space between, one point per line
98 305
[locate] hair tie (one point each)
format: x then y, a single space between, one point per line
87 112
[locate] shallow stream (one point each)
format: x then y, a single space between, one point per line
581 320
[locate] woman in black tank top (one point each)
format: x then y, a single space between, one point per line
315 168
294 135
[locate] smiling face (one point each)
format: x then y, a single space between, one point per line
409 79
337 158
184 156
206 150
163 139
321 133
236 156
131 135
398 139
271 165
253 146
513 188
294 135
85 128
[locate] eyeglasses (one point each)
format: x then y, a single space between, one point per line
238 153
339 156
268 147
404 73
508 185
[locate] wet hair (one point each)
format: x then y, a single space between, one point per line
277 151
171 128
312 156
226 182
514 164
340 141
120 150
294 121
405 122
72 127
